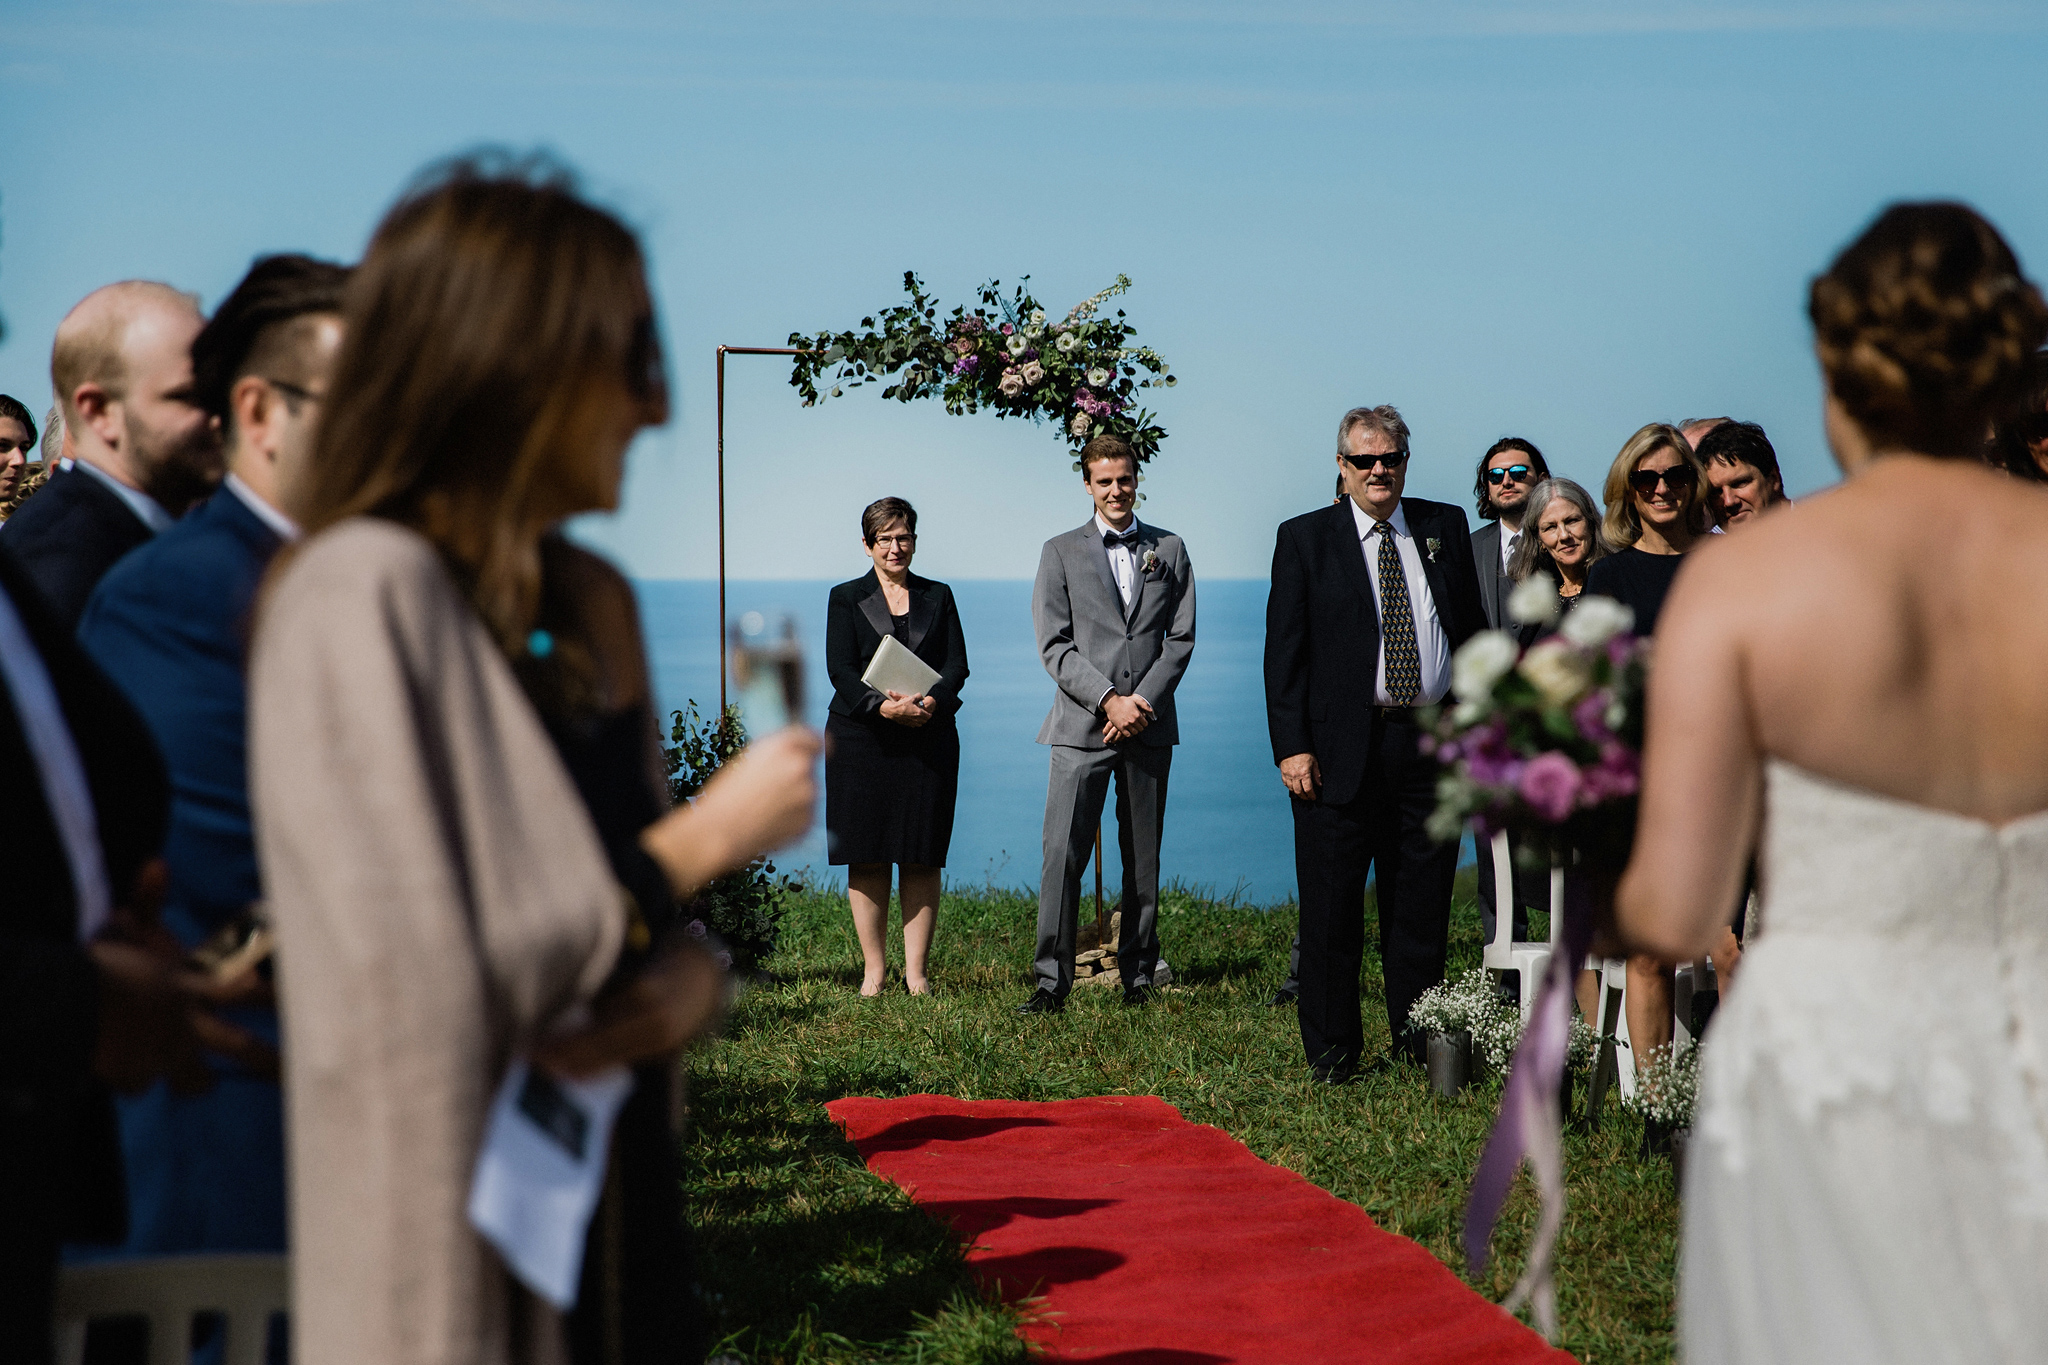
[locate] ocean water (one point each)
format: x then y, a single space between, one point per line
1227 824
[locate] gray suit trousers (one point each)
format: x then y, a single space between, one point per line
1073 808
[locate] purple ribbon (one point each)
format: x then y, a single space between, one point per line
1530 1125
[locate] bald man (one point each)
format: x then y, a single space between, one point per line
143 450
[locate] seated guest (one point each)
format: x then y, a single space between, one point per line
170 625
447 896
894 767
142 449
1656 511
1742 470
17 449
2019 438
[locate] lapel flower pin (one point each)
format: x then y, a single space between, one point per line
1149 562
1432 545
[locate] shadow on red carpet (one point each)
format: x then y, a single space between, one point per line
1154 1241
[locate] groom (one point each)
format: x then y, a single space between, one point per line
1114 609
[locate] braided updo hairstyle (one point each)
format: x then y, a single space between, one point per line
1925 326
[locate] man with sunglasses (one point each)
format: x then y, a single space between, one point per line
170 625
1510 467
1370 598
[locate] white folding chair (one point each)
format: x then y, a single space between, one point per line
245 1289
1504 954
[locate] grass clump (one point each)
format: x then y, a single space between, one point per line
807 1257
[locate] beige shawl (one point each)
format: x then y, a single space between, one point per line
440 899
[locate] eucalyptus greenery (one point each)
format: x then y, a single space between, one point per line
743 908
1082 373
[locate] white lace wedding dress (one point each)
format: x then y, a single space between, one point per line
1869 1175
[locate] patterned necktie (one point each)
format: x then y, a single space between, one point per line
1397 624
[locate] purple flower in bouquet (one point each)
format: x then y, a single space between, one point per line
1550 784
1488 759
1616 775
1590 715
1621 649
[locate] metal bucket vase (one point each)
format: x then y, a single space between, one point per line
1681 1145
1656 1139
1448 1057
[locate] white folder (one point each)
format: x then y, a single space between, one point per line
896 669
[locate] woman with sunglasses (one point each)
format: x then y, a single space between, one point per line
1656 512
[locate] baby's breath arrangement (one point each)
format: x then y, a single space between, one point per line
1461 1006
1667 1081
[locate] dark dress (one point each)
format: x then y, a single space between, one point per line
889 788
1636 579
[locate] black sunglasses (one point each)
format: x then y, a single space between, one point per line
1679 478
1366 462
1517 472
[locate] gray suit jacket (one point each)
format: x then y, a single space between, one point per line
1091 648
1494 584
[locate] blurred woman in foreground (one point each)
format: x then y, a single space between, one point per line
453 761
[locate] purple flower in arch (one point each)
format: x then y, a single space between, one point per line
966 364
1008 329
1550 784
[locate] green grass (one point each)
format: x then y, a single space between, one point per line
809 1257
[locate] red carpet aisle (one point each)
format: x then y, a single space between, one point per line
1160 1241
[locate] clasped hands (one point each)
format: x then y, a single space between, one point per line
908 710
1124 717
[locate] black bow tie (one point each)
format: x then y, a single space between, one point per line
1121 537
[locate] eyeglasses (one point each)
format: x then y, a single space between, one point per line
1679 479
897 542
1518 472
1392 460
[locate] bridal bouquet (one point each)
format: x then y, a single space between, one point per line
1081 372
1546 741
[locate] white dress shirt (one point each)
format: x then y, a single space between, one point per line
287 529
147 509
1508 541
1432 646
1123 564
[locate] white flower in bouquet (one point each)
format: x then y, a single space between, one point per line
1098 376
1534 601
1080 425
1033 372
1016 344
1596 620
1011 384
1483 661
1560 670
1068 341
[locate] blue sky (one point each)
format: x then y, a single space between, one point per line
1556 220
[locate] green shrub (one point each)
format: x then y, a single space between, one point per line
744 908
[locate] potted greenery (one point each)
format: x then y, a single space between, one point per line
1453 1015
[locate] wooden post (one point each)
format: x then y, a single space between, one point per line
1101 924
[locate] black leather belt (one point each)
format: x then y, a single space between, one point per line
1403 715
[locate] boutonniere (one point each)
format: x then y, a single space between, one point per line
1149 562
1432 545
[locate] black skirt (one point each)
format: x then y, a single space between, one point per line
889 791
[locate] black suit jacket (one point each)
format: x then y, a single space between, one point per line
1323 631
68 535
59 1151
856 619
1494 583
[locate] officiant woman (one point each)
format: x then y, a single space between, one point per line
892 768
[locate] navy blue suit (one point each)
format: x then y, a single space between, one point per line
68 535
170 625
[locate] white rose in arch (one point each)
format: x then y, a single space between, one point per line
1033 372
1011 384
1067 342
1534 600
1596 620
1081 424
1016 345
1098 376
1483 661
1560 671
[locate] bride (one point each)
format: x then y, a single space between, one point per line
1857 688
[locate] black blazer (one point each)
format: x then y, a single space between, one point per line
59 1134
1323 631
68 535
856 619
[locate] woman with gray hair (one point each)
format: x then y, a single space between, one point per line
1566 538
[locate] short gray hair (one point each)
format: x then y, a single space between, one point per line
1385 419
1529 552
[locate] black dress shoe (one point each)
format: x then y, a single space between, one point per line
1342 1073
1286 995
1043 1001
1137 995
